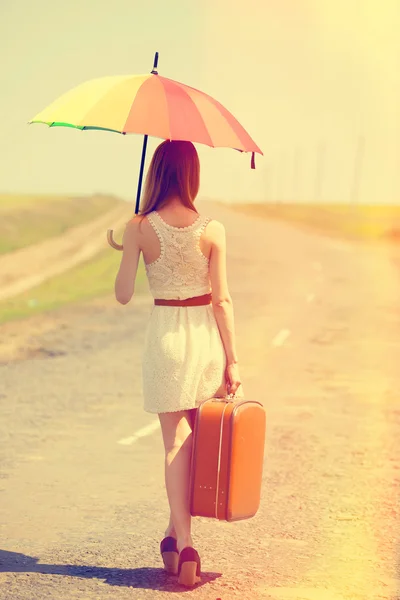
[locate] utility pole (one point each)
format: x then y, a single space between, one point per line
280 176
276 179
358 162
321 153
295 177
267 183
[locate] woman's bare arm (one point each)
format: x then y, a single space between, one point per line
221 298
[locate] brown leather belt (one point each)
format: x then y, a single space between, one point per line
195 301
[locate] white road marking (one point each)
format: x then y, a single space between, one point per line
310 297
281 337
140 434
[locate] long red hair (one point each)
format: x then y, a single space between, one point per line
174 170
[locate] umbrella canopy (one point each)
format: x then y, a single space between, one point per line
150 105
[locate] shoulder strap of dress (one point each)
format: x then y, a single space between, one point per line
156 224
202 224
156 221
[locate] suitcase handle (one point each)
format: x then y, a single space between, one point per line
228 398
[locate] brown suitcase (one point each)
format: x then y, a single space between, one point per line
227 459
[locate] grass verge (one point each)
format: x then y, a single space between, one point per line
91 279
372 223
28 219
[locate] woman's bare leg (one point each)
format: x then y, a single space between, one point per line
177 435
170 531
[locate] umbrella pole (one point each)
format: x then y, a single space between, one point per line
154 72
141 174
110 238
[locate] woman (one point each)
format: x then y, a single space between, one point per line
189 351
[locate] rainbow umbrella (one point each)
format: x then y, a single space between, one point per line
149 105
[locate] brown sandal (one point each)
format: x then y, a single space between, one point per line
189 567
170 554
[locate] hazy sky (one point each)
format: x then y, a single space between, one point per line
315 82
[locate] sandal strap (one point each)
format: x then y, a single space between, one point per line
168 544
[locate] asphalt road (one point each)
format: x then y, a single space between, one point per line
82 503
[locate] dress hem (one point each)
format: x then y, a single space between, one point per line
157 412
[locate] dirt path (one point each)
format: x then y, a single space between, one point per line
82 514
30 266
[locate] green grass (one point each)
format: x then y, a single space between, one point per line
372 223
29 219
91 279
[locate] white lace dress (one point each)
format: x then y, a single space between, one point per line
183 358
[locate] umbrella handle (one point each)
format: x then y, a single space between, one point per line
111 240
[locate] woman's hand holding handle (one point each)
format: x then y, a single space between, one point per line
232 377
